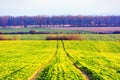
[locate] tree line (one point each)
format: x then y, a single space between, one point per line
61 21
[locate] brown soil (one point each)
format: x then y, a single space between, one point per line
93 29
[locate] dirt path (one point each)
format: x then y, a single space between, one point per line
70 58
37 72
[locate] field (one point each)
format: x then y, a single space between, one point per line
63 29
32 57
20 59
92 29
50 30
103 37
60 60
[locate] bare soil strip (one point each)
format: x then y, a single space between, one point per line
37 72
69 57
93 29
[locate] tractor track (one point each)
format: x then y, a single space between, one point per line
71 59
14 72
35 75
37 72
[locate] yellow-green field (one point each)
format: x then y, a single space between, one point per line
60 60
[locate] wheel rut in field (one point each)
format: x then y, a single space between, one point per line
87 72
60 68
45 68
71 59
37 72
14 72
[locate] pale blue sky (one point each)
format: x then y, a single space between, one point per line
59 7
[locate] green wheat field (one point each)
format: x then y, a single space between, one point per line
32 57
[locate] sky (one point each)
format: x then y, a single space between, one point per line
59 7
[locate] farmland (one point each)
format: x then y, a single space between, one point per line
93 37
21 59
94 29
32 57
50 30
98 59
